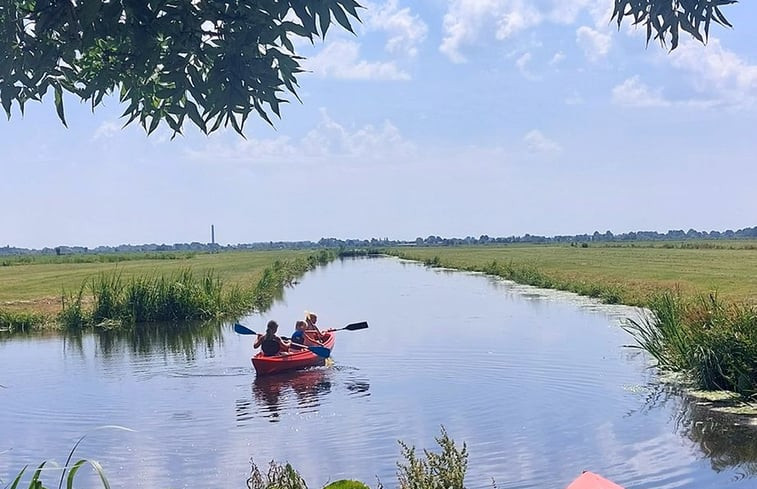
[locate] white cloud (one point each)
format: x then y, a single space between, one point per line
557 58
331 139
462 23
633 93
522 64
517 17
341 59
536 142
328 141
467 21
106 130
566 11
405 30
594 43
718 72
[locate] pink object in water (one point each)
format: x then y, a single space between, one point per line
590 480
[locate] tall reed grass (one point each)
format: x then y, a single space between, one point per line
712 341
110 300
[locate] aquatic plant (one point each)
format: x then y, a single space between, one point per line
712 341
15 322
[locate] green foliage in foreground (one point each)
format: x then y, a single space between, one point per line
713 341
443 470
69 469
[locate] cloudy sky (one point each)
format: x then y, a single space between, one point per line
451 118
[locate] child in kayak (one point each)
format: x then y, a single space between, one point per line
271 344
298 337
313 335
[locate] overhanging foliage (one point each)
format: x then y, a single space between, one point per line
209 62
212 62
665 19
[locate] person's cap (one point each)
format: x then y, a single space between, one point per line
310 314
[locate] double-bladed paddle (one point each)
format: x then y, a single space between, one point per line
352 327
321 351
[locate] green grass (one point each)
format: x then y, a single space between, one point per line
625 274
38 287
85 294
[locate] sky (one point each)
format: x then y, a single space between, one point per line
450 118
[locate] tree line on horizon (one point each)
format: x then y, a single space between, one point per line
607 236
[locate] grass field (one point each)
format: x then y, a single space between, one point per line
37 285
635 269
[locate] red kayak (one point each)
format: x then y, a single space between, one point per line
290 361
590 480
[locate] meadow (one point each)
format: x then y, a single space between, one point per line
627 273
44 292
36 283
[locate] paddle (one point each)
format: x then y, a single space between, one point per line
321 351
352 327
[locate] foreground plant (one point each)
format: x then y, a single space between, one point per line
443 470
69 471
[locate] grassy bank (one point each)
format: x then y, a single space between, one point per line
703 300
79 294
628 273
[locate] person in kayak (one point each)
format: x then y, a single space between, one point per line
298 337
313 335
271 344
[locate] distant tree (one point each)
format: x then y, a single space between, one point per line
209 62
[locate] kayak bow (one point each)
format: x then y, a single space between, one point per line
590 480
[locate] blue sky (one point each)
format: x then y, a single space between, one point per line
451 118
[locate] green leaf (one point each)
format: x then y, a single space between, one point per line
59 104
346 484
16 481
341 18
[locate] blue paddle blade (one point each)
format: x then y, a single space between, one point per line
239 329
321 351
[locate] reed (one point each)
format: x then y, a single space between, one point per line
713 341
181 296
110 300
21 321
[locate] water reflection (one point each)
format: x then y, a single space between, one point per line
728 440
185 339
299 392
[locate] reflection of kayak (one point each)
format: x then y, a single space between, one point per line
589 480
291 361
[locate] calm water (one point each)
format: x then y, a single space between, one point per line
539 385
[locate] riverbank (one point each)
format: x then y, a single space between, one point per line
48 293
614 272
703 300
